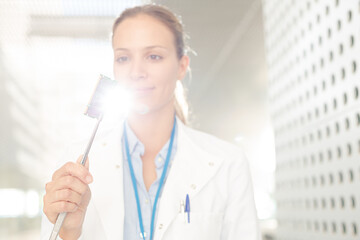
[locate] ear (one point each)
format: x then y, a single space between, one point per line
183 66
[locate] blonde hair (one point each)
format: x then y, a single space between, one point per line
168 18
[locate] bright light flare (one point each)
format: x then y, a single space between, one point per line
117 102
110 99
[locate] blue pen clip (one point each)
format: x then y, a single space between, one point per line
187 207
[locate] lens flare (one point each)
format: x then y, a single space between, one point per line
117 102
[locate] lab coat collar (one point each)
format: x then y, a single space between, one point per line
192 168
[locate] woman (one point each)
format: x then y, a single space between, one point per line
153 177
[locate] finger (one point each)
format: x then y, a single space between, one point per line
49 214
67 195
67 182
63 206
73 169
86 161
54 209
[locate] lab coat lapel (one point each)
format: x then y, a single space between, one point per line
107 188
192 168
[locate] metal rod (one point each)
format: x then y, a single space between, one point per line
61 217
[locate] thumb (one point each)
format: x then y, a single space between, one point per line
86 161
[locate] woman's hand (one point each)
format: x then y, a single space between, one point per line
69 192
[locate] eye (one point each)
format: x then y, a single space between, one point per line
154 57
122 59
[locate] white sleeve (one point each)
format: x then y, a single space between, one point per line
240 218
46 229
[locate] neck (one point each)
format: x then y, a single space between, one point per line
154 128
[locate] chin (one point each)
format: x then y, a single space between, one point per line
140 109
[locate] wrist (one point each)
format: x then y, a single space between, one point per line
70 234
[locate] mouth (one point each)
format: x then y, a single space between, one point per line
142 91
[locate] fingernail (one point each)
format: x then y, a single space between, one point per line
89 179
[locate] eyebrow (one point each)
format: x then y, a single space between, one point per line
146 48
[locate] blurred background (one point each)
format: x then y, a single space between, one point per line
269 76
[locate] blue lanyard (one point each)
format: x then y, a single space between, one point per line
160 184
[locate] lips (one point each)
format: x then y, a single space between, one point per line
143 91
144 88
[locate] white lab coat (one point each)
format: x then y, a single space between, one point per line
214 173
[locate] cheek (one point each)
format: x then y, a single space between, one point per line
165 75
116 72
166 84
120 74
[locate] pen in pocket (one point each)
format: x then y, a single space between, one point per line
187 208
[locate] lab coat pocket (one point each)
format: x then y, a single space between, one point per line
202 226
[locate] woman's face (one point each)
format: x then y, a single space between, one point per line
146 63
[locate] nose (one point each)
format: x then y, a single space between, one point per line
137 70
